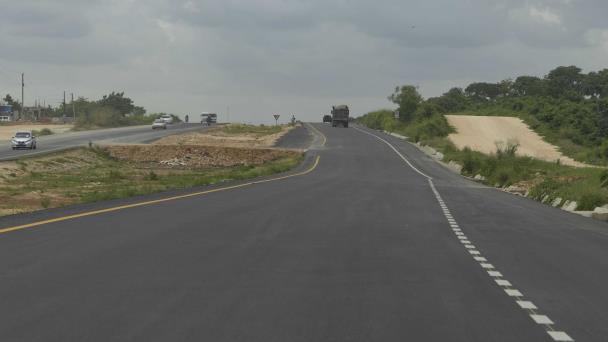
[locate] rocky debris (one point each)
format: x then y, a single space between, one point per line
570 206
556 202
454 166
588 214
516 189
600 213
186 156
545 199
479 178
403 137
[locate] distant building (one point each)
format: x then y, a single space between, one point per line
6 113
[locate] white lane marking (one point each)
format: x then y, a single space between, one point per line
513 293
560 336
495 274
502 282
526 305
541 319
398 153
469 247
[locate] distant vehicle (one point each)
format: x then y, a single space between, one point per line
24 139
159 123
166 118
208 118
326 118
339 116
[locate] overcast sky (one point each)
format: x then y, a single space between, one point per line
286 56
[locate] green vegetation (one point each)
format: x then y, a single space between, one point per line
112 110
44 131
260 130
567 107
89 175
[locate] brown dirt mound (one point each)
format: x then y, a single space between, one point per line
194 155
216 137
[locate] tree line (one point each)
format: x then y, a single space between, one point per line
112 110
567 106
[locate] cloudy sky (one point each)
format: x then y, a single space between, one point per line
261 57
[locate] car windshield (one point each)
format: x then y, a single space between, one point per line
22 135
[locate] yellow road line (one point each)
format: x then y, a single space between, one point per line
318 131
141 204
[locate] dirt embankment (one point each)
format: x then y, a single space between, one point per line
482 133
218 137
195 156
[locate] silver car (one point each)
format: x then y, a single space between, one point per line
159 123
23 139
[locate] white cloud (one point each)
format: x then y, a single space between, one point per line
264 56
544 15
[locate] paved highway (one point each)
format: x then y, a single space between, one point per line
136 134
376 242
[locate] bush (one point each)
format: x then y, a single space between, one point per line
470 162
591 200
42 132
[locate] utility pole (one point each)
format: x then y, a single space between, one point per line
22 111
64 105
228 113
73 108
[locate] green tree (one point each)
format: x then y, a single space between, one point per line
118 102
408 99
529 86
483 91
453 101
8 99
565 82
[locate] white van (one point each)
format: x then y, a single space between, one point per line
168 119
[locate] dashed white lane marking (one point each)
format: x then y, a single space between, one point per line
541 319
560 336
502 282
513 293
498 278
525 304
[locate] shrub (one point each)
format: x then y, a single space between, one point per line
591 200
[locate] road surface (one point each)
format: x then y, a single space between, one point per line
360 247
136 134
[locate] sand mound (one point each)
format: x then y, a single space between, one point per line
482 133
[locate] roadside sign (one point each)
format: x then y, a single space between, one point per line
276 118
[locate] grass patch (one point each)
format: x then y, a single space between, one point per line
104 178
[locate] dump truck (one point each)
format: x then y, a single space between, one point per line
339 116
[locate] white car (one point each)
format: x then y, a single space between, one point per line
159 123
23 139
168 119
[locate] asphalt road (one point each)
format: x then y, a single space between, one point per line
362 248
136 134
